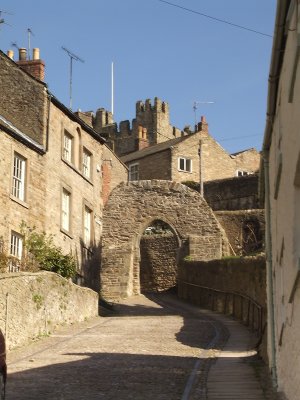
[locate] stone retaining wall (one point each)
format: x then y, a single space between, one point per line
234 286
33 304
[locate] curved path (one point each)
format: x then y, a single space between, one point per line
153 347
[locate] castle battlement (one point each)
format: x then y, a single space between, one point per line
151 119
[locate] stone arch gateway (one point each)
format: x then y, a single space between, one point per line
129 210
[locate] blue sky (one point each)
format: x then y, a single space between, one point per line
157 50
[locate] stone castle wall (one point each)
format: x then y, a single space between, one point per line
154 119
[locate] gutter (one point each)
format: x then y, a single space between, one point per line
274 75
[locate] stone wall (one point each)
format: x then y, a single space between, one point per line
158 267
154 118
226 286
23 100
245 230
37 303
156 166
235 193
132 207
13 210
113 172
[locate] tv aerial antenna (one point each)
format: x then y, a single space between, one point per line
76 58
195 107
29 33
14 44
2 20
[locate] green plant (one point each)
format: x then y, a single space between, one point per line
41 253
38 300
192 185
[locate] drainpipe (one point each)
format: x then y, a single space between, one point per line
269 267
48 121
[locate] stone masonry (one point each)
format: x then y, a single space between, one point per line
132 207
158 262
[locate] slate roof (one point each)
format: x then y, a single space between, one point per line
156 148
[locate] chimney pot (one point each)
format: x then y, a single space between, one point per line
10 54
22 54
36 54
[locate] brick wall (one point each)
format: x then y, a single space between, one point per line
158 268
114 172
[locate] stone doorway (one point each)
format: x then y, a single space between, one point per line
130 209
159 247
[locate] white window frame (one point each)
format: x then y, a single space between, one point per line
68 147
185 160
19 177
65 210
134 172
16 245
86 163
87 226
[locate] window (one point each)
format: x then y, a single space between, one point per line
87 226
18 182
86 163
65 210
134 172
16 245
185 164
242 173
67 147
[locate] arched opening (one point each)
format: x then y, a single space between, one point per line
159 247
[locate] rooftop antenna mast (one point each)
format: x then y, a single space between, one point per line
200 148
14 44
112 88
195 107
76 58
29 32
2 20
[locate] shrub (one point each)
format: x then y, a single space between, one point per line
192 185
41 253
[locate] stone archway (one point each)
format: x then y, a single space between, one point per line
129 210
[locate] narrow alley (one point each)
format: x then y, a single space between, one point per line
153 347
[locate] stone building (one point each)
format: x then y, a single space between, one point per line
57 171
189 156
150 126
281 167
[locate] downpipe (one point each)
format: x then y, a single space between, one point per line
269 268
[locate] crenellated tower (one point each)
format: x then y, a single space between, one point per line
150 126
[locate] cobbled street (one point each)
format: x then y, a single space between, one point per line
153 347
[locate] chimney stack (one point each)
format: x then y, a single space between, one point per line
36 54
203 125
10 54
142 140
22 54
35 67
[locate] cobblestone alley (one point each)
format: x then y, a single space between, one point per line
153 347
